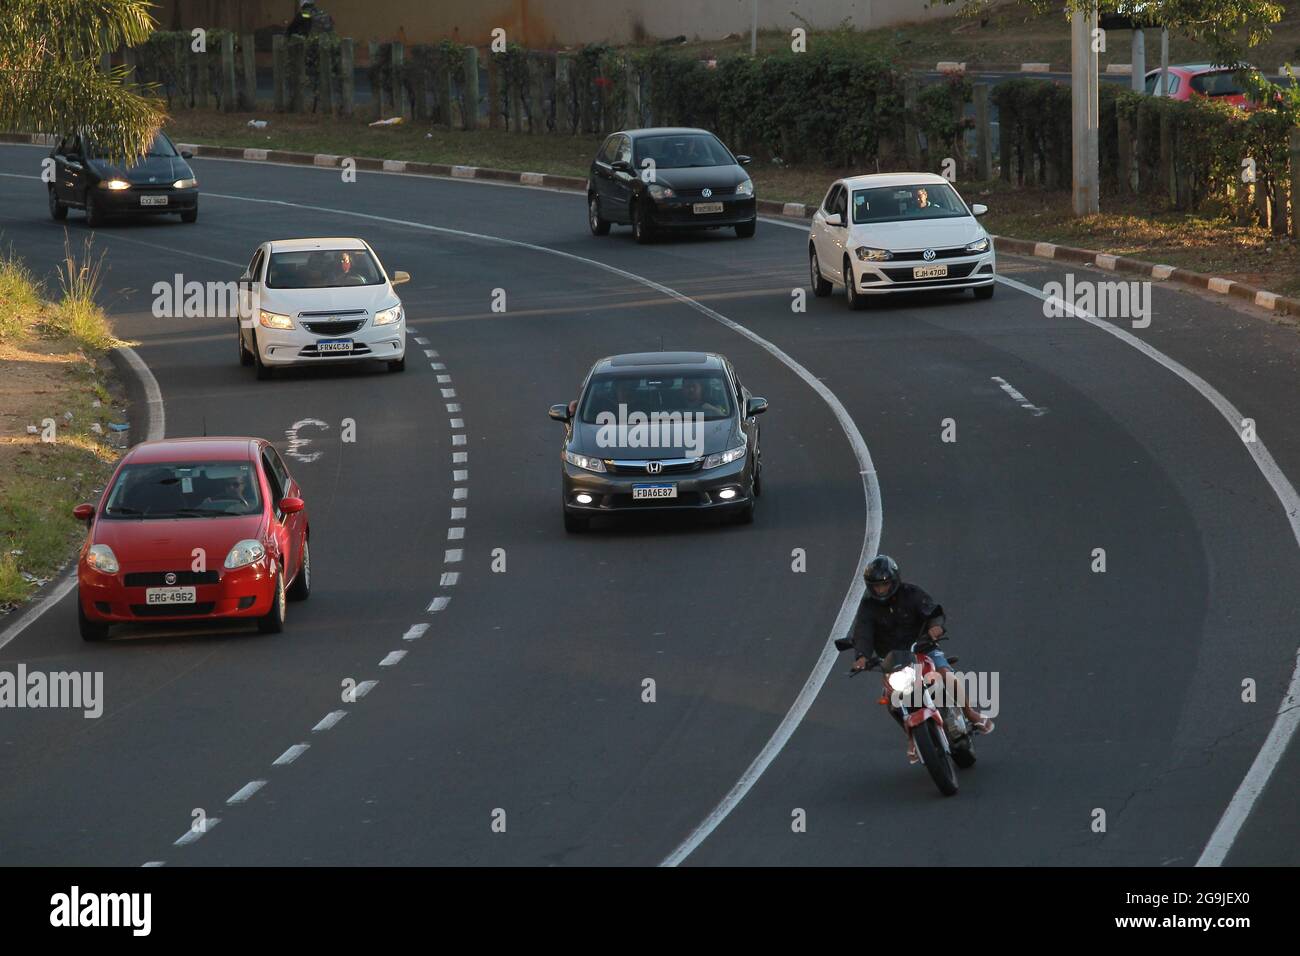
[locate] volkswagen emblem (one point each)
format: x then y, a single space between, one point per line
170 577
706 192
928 255
654 467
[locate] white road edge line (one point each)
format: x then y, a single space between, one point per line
1288 715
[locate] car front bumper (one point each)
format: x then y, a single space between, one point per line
696 490
681 214
882 278
297 346
246 592
126 202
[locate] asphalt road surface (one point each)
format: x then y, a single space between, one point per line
522 699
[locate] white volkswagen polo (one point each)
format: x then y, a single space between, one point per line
898 232
313 301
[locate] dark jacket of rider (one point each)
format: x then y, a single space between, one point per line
895 624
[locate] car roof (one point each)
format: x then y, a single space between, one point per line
1193 68
333 242
193 449
663 131
893 179
676 362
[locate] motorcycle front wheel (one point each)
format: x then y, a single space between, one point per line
930 746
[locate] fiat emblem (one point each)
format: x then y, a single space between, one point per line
654 467
928 255
170 577
706 192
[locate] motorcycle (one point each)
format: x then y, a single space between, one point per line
940 732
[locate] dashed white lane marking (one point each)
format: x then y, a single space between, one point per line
290 755
438 603
365 687
458 514
459 494
429 353
458 439
192 835
1017 397
448 393
449 579
391 658
453 406
421 340
459 457
455 534
438 366
460 474
329 720
247 790
153 863
457 423
452 555
444 379
415 632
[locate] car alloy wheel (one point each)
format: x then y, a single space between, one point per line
272 622
57 209
857 301
599 226
821 287
93 216
300 590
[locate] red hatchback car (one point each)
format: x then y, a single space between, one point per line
194 528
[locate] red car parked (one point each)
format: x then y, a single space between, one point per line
1201 80
194 528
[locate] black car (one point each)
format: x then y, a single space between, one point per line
160 181
669 178
660 431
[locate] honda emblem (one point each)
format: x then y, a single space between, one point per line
654 467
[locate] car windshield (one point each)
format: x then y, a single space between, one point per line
682 150
651 395
901 203
322 269
160 147
190 489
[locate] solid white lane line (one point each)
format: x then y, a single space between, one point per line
1288 714
290 755
1017 397
247 790
438 603
870 490
193 835
415 632
329 720
365 687
391 658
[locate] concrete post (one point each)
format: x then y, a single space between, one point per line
494 92
470 116
563 94
347 75
325 79
1138 57
536 93
401 105
377 92
1085 112
983 134
279 71
298 72
249 99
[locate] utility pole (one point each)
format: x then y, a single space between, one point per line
1138 82
1084 110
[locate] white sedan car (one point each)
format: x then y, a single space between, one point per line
898 232
315 301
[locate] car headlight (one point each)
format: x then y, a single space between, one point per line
389 316
746 188
725 457
102 559
868 254
903 680
114 184
661 192
185 184
582 461
273 320
979 245
244 553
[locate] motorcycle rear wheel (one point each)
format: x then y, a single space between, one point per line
936 759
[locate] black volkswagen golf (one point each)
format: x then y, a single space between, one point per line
669 178
160 181
655 431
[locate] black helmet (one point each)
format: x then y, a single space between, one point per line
882 570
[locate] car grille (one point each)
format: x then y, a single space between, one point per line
914 255
715 191
310 351
637 467
684 499
337 327
172 610
959 271
156 579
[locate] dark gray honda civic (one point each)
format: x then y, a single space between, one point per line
660 431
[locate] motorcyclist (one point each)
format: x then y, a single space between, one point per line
892 616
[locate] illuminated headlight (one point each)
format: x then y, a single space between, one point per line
582 461
868 254
661 192
114 184
185 184
273 320
389 316
102 559
980 245
903 680
726 457
583 499
746 188
244 553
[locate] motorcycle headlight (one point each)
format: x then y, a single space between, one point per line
185 184
114 184
102 559
582 461
389 316
273 320
746 188
661 192
245 552
902 681
726 457
979 245
868 254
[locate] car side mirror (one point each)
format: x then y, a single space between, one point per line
622 165
292 506
399 277
186 154
560 413
755 406
833 219
84 513
744 160
979 209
